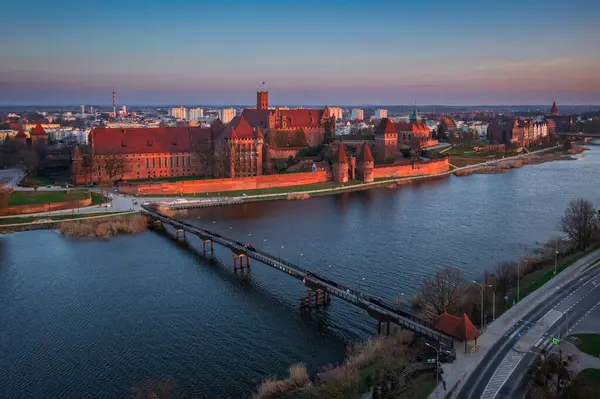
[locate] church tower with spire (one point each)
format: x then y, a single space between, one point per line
554 109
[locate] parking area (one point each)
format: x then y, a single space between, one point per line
9 178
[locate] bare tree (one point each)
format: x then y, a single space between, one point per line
442 293
113 166
580 222
503 275
552 377
201 162
4 196
30 162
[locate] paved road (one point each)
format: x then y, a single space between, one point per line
9 178
497 373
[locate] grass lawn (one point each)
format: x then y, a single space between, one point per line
43 197
98 199
536 280
590 344
5 221
30 181
585 385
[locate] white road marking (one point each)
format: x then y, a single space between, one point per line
508 365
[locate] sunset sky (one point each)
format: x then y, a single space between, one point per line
309 52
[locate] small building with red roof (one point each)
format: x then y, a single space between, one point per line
460 328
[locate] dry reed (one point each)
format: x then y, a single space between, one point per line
272 388
104 227
298 196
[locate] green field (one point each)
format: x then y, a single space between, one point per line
43 197
589 343
15 220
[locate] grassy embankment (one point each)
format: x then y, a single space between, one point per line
275 190
44 197
30 219
540 276
378 362
49 197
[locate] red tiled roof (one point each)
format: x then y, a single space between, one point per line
341 154
412 127
239 128
386 126
302 117
450 124
458 327
366 154
21 134
257 117
38 130
112 141
217 126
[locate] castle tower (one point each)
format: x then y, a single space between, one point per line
554 109
262 99
367 163
340 167
21 138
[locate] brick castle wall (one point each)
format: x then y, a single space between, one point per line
222 185
419 168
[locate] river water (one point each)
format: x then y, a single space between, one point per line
99 318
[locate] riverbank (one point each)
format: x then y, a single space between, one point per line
331 188
16 224
129 224
503 166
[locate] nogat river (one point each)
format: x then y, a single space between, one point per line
99 319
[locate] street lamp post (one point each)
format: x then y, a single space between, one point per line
555 256
482 286
437 368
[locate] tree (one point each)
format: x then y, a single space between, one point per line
567 145
4 196
202 162
298 139
503 274
30 162
580 222
552 377
113 166
442 293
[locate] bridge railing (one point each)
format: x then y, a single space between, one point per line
404 319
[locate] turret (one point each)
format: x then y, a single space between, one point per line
340 166
367 163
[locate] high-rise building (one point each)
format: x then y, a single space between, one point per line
336 111
123 110
226 114
83 109
381 113
179 113
195 114
358 114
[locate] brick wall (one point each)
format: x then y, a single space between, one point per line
222 185
39 208
419 168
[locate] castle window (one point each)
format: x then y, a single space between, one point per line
166 162
177 161
154 162
147 163
159 162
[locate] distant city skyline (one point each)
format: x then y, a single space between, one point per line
310 52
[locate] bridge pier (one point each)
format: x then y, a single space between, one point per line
180 235
212 248
240 257
315 299
383 327
157 224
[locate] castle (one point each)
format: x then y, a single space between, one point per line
238 149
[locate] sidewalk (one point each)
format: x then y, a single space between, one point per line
455 374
